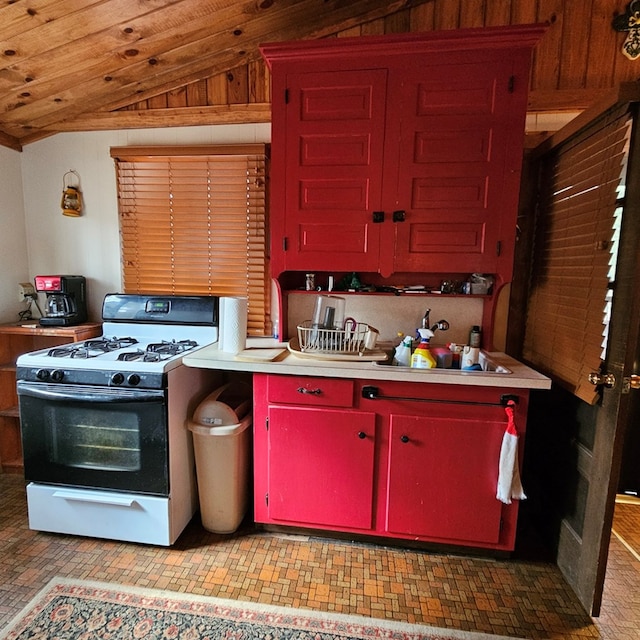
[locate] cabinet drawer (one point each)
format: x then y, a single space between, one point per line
302 390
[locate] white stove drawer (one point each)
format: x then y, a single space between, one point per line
100 514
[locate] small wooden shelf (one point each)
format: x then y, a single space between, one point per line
16 339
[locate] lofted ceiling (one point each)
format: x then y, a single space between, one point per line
77 65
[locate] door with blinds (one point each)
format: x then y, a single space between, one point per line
582 327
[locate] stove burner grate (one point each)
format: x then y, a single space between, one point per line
91 348
158 351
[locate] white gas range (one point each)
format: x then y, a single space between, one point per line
106 449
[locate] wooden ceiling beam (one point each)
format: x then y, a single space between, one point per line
178 117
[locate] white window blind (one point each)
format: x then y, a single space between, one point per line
193 222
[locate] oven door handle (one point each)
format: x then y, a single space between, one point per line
78 393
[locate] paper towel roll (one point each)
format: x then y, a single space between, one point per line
233 324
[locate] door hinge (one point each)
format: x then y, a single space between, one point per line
284 243
511 85
498 248
266 424
266 499
286 96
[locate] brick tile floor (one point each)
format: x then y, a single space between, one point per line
514 597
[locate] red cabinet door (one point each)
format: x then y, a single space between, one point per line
333 141
321 466
442 478
455 120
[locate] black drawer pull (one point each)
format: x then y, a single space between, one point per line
313 392
373 393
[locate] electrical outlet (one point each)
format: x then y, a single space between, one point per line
26 290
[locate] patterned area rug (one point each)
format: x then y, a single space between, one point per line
77 610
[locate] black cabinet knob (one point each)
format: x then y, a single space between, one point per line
404 438
362 435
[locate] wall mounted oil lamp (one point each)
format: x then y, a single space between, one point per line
71 196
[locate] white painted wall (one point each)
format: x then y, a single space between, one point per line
89 245
14 261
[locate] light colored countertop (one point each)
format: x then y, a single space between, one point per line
521 376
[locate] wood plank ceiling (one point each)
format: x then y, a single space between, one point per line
77 65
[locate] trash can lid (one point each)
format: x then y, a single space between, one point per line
211 412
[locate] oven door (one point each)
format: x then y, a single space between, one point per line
101 437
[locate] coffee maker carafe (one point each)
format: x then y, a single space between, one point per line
66 303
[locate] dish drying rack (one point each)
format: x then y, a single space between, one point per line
314 339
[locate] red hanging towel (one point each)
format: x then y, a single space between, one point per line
509 484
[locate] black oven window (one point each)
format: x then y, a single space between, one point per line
96 440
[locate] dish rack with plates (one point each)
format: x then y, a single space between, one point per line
314 339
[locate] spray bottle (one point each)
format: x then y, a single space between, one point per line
403 352
422 357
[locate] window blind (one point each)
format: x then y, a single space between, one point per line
193 222
569 293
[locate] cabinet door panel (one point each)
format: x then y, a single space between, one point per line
321 465
333 178
455 133
442 478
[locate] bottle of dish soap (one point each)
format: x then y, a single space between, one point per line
403 352
422 357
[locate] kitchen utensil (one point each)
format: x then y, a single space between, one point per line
329 312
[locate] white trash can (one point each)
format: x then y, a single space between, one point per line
222 448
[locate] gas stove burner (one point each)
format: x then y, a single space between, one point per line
172 348
158 351
110 344
91 348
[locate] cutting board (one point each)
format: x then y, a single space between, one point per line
260 355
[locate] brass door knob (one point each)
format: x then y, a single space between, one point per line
632 382
605 379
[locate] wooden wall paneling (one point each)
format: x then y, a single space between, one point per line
524 12
447 14
602 38
177 97
217 89
197 94
498 13
473 14
399 22
259 82
155 102
576 32
423 17
548 52
238 85
375 27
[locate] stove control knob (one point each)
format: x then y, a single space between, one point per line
133 379
57 375
117 378
42 374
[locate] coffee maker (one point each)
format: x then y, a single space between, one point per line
66 300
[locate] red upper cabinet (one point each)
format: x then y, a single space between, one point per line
398 153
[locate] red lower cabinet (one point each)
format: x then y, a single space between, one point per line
442 478
321 466
416 462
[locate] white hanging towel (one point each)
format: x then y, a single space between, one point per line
509 484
